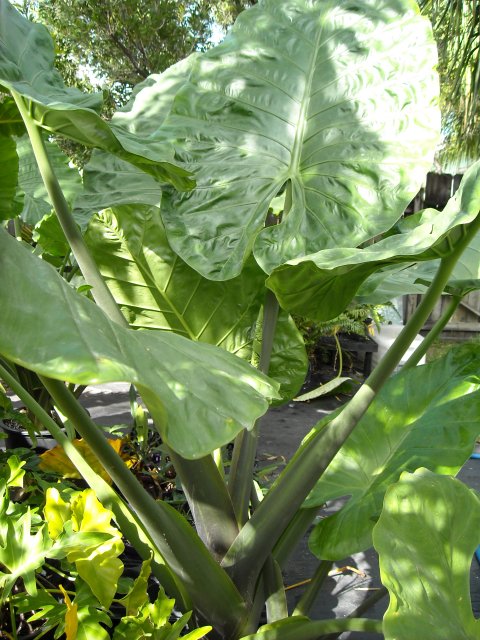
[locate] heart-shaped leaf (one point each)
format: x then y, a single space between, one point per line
423 417
71 339
156 290
426 537
335 99
321 285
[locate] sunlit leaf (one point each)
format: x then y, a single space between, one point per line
423 417
337 99
426 536
138 595
21 554
321 285
56 460
71 617
57 512
182 382
156 290
27 67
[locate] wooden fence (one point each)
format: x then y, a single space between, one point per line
465 323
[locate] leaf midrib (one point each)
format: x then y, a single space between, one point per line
293 169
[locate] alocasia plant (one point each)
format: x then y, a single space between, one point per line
243 184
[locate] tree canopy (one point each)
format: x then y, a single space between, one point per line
124 42
456 25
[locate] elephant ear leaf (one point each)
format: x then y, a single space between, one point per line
10 207
183 382
426 537
27 69
335 99
155 289
321 285
422 417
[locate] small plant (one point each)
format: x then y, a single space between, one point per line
61 567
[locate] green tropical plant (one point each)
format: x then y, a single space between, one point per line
242 185
76 533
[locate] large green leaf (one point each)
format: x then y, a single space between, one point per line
200 396
110 181
390 283
156 290
289 361
26 67
423 417
336 98
31 186
397 281
426 537
11 123
321 285
9 207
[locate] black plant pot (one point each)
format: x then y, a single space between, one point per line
18 437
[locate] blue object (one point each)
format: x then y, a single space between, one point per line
476 456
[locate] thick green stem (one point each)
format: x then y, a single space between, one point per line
308 598
245 449
315 630
295 531
209 502
433 334
215 597
340 355
276 601
126 519
89 269
245 446
260 534
17 225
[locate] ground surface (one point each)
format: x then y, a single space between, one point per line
281 432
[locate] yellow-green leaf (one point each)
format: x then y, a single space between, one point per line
56 512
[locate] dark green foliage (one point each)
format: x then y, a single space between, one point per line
123 42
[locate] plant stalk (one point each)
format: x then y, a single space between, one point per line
260 534
308 597
212 592
126 519
17 225
295 531
276 601
245 449
88 267
209 502
433 334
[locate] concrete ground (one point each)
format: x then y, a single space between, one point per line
281 432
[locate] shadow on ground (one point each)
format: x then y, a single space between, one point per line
282 430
